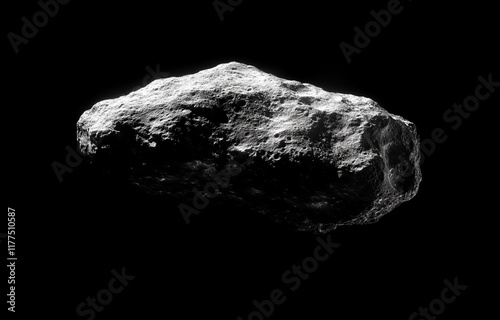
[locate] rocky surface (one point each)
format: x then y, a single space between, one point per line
319 159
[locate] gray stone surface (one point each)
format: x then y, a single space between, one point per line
320 159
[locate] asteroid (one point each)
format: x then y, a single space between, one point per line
309 159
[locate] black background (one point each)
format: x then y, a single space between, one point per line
70 235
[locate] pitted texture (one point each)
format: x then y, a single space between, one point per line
320 159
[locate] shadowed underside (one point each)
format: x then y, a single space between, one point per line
319 159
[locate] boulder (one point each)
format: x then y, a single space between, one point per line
310 159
